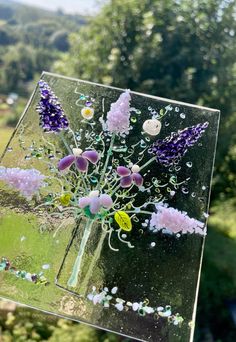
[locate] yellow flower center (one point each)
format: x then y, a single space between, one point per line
87 113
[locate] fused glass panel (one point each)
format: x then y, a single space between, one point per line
104 199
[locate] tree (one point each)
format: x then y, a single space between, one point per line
8 35
38 33
59 40
6 12
19 67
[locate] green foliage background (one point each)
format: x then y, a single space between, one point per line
181 49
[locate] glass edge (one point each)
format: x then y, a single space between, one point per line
70 318
163 99
20 120
204 239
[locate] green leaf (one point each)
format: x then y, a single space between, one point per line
123 221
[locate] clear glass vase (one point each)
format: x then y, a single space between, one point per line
80 267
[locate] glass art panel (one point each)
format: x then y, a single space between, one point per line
104 199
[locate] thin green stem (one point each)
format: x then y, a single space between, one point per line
73 134
134 212
115 190
86 186
147 163
124 241
65 143
109 152
77 188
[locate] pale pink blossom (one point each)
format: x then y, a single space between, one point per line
27 181
118 118
174 221
95 202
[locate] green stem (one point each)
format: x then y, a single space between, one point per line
86 186
77 188
73 134
115 190
109 152
65 143
73 280
147 163
134 212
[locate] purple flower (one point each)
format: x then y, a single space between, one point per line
80 158
95 202
119 115
52 116
170 150
26 181
129 177
174 221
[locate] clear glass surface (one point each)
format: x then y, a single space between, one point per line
129 262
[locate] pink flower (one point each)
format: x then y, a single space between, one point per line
119 115
174 221
80 158
128 177
26 181
95 202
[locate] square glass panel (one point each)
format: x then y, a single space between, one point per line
104 198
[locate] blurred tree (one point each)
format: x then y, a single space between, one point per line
7 36
218 285
74 333
29 325
182 49
19 67
5 12
44 59
59 40
38 33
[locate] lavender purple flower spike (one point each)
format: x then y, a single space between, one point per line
52 116
118 118
174 221
170 150
27 182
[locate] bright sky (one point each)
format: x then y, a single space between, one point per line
69 6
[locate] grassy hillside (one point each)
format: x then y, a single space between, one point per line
24 14
31 39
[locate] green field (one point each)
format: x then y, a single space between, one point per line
5 134
20 236
16 226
